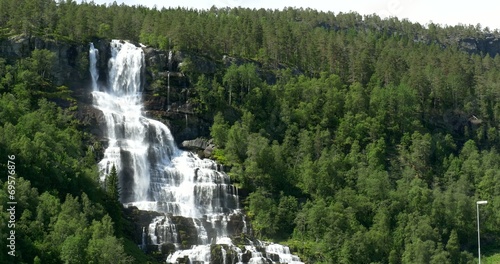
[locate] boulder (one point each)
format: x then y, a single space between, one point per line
196 144
201 146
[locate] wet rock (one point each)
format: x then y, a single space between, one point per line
187 231
139 221
184 260
155 59
247 255
216 254
201 146
274 257
211 232
196 144
166 249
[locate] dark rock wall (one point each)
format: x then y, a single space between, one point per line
489 45
70 66
71 69
166 96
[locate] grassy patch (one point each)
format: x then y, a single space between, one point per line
491 259
490 254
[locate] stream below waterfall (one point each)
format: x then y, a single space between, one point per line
188 193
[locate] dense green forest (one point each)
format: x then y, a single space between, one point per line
61 214
358 139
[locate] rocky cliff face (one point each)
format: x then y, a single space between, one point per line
167 95
162 72
69 68
487 45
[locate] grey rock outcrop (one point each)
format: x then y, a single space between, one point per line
171 106
488 45
196 144
71 65
203 147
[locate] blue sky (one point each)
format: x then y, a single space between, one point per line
444 12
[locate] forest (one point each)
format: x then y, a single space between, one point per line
358 139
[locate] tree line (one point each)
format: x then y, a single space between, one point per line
359 139
63 214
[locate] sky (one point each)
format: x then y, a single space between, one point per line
442 12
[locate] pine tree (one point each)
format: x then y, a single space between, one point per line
114 206
112 185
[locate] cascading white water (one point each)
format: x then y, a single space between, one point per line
197 254
257 257
93 56
127 128
202 232
223 251
162 229
154 174
143 239
283 252
245 229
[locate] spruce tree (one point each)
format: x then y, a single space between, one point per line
112 185
114 206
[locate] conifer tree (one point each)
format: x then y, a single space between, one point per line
113 205
112 185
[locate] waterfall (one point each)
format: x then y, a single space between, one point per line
163 230
169 62
245 230
127 129
152 231
143 239
155 175
168 89
201 231
283 253
223 254
93 56
257 257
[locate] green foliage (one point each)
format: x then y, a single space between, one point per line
112 185
219 130
239 81
374 157
113 205
103 247
360 139
261 211
58 195
236 145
